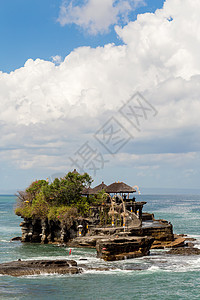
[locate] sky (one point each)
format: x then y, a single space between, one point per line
109 87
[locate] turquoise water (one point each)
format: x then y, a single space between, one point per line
157 276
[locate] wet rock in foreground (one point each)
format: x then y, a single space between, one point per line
36 267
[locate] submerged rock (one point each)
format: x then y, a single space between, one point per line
16 239
184 251
35 267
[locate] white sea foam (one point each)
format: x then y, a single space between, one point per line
178 263
58 257
45 275
154 269
4 241
195 236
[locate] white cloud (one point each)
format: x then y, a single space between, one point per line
96 16
57 59
170 46
153 161
47 111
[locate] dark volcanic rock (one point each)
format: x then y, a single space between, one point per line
184 251
34 267
48 231
119 248
16 238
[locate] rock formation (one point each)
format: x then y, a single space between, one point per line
47 231
184 251
120 248
35 267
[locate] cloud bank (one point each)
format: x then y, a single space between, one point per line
47 110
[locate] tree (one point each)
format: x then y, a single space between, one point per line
65 191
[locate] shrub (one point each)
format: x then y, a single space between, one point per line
83 207
35 188
64 214
60 198
25 211
40 207
53 213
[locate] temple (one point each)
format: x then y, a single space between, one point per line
115 225
120 199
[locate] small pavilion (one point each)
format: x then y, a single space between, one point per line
120 188
100 187
87 191
125 190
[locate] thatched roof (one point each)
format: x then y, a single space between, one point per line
119 187
87 191
99 187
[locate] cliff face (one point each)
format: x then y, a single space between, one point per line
45 231
164 232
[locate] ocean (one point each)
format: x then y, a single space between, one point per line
158 276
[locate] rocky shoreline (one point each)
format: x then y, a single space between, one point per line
111 243
109 250
37 267
139 234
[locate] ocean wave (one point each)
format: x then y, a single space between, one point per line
44 275
195 236
154 269
4 241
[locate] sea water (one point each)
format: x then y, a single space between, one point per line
158 276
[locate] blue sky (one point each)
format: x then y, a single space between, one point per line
30 29
67 69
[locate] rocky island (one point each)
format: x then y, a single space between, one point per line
69 212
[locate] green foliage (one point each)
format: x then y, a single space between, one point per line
99 198
66 190
35 188
40 206
53 213
60 198
66 215
102 196
24 210
83 206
